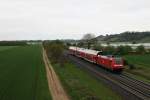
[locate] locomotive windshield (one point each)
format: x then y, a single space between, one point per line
118 60
100 53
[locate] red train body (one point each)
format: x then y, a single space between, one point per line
107 61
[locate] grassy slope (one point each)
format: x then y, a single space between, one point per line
81 86
142 63
22 74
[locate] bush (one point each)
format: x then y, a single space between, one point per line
68 44
98 47
54 50
80 44
123 50
140 49
109 50
126 62
131 66
148 51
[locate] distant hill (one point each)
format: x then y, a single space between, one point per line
136 37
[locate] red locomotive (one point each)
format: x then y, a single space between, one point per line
107 61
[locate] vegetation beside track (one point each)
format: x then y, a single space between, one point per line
22 74
78 84
81 86
141 64
137 60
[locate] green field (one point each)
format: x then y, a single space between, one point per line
139 60
2 48
142 65
82 86
22 74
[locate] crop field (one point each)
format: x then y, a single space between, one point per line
2 48
22 74
142 64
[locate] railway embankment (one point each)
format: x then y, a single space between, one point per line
129 88
80 85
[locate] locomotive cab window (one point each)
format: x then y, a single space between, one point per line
118 60
99 53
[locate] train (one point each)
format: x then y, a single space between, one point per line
110 62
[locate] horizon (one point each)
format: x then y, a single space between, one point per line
70 19
74 39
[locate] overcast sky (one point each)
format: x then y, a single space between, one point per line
62 19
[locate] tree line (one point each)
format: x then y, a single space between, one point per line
13 43
121 50
110 50
126 37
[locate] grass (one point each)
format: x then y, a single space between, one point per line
140 60
81 86
22 74
142 64
2 48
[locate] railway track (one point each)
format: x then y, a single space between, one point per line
130 88
137 88
146 86
139 81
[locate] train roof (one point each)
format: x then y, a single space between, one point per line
72 47
94 52
81 49
89 51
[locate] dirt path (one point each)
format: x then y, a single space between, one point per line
54 84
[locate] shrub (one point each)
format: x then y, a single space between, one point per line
109 50
140 49
80 44
54 50
98 47
123 50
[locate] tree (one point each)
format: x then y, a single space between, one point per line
109 50
98 47
87 38
133 42
54 50
127 49
148 51
140 49
13 43
80 44
68 44
123 50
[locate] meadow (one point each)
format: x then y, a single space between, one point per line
22 74
142 66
